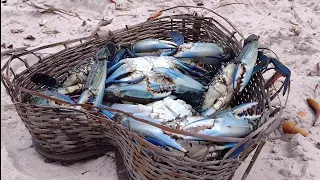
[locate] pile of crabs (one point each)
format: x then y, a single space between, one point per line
181 85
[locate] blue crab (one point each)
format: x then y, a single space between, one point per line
232 78
235 122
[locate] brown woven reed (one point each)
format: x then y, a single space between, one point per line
66 131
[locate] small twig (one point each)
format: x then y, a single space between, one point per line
293 23
315 89
127 15
228 4
101 23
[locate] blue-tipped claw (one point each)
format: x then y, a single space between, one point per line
221 127
203 49
122 70
150 45
245 63
241 112
183 83
142 93
194 70
178 39
134 81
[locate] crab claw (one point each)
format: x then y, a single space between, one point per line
120 69
141 93
221 127
203 49
245 63
183 83
151 131
152 45
242 111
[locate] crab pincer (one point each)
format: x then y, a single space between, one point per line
96 79
152 46
182 83
227 124
245 63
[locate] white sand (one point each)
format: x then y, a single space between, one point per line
295 159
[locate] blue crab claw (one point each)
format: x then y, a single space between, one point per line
221 127
177 38
152 45
281 69
119 72
133 81
241 111
150 131
245 63
204 49
141 93
194 70
183 83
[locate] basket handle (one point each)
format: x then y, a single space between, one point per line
210 10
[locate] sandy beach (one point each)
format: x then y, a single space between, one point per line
291 28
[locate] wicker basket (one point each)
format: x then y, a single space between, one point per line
68 134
